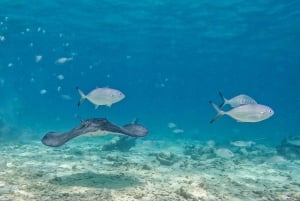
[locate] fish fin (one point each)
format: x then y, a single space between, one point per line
108 105
96 107
223 99
135 121
80 118
220 112
82 96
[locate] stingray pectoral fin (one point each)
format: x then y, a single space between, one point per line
135 130
54 139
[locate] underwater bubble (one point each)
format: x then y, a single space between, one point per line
32 80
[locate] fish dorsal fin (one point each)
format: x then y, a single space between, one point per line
80 118
224 100
135 121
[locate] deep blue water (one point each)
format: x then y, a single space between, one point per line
168 57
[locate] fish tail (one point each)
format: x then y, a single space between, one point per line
220 112
223 99
82 96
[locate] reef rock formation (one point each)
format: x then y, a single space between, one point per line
120 143
290 148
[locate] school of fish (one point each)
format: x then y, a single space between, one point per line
244 109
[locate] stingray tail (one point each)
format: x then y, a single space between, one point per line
82 96
223 99
220 112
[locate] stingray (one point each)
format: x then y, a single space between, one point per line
94 127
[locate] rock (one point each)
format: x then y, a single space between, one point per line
5 190
197 152
115 158
146 167
184 193
289 148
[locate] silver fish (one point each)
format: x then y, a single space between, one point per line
237 100
101 96
240 143
294 140
224 153
245 113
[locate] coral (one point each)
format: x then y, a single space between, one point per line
289 149
166 158
197 152
120 143
184 193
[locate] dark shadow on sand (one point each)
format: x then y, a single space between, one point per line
90 179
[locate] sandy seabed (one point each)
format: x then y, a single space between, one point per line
81 171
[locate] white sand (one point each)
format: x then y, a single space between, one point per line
81 171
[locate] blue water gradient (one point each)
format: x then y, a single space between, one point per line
168 57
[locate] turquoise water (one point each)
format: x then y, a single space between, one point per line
168 57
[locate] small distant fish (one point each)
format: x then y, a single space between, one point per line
224 153
63 60
66 97
172 125
10 65
2 38
101 96
245 113
43 91
242 143
59 88
38 58
178 131
60 77
237 100
294 140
